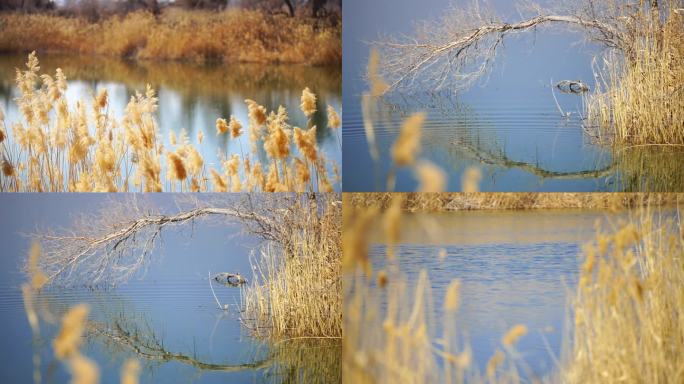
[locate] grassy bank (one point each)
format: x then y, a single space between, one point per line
234 35
627 317
188 79
444 202
88 149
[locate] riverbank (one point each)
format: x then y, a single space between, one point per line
230 36
428 202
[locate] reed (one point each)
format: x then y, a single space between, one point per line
396 342
445 202
88 149
628 310
230 36
639 98
296 293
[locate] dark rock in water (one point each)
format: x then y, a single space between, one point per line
572 86
232 279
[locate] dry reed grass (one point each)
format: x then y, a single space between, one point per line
628 318
296 293
639 98
234 35
86 149
629 306
445 202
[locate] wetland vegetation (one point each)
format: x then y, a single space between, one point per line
500 296
53 144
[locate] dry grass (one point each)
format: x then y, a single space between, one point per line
640 100
628 318
297 289
86 149
234 35
629 307
444 202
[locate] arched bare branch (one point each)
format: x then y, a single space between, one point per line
460 47
111 245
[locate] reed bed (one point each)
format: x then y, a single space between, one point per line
629 306
297 293
86 148
626 311
639 100
445 202
230 36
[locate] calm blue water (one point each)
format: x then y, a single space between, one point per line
507 124
169 310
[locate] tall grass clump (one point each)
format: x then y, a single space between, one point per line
639 98
88 149
231 36
629 306
297 290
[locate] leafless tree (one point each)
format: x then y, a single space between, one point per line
26 5
458 48
113 244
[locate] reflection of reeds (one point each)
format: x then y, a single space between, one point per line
235 35
649 169
627 311
189 80
58 149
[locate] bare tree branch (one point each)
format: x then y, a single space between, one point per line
459 48
112 245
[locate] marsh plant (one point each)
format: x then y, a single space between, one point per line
455 201
230 36
293 300
625 313
297 291
86 148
